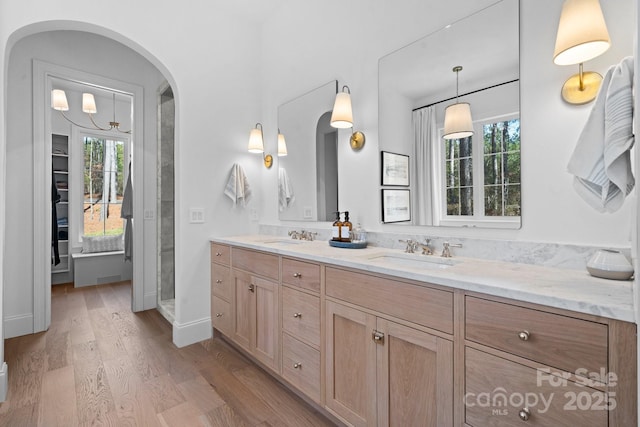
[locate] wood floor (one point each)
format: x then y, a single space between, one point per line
99 364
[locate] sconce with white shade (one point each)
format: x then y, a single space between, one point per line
582 35
59 103
342 117
282 145
256 145
457 117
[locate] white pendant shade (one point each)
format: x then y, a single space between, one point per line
89 103
59 100
582 32
342 115
256 143
282 145
457 121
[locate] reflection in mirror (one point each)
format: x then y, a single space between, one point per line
473 181
308 175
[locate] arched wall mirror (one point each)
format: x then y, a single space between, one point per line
308 174
473 181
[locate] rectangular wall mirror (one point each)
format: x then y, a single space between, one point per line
308 174
472 181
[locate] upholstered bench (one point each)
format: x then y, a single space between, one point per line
101 261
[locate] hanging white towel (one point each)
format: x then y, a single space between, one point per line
601 161
237 188
285 190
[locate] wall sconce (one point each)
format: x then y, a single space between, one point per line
582 35
282 145
342 118
457 117
256 145
59 103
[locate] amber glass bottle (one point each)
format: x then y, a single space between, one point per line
336 229
345 231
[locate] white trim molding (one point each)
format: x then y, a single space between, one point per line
192 332
4 381
15 326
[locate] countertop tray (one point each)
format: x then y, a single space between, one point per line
348 245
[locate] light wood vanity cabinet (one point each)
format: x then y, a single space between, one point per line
256 303
373 350
380 371
546 368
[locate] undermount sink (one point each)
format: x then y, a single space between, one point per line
282 241
432 262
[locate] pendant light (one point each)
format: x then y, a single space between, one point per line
59 103
457 117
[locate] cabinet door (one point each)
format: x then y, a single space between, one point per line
415 377
267 342
350 364
244 316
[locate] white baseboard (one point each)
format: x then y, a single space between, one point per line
4 382
15 326
192 332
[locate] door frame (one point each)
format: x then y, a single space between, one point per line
43 72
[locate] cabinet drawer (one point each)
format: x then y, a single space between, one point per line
220 253
221 283
256 262
498 389
560 341
301 366
300 273
301 315
418 304
221 315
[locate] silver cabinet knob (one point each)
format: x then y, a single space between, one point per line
297 315
252 288
219 314
218 254
524 335
297 275
218 281
524 414
297 365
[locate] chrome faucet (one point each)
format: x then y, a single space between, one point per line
294 234
412 245
307 235
446 248
426 249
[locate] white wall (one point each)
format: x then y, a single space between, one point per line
552 211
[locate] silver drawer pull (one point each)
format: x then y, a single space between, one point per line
297 365
252 288
524 414
524 335
218 281
297 275
297 315
218 254
219 314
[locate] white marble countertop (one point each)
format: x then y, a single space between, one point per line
567 289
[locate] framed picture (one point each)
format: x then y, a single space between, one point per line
395 169
396 205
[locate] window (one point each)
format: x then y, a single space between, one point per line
103 186
481 174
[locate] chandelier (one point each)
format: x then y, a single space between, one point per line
59 103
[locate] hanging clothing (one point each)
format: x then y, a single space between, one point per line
127 213
55 198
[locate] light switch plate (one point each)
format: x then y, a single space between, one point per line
307 212
196 216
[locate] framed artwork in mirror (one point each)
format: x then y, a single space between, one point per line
395 169
396 205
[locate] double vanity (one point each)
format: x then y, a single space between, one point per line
380 337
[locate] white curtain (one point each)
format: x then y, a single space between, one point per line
425 140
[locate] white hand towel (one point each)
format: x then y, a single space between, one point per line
601 161
237 188
285 190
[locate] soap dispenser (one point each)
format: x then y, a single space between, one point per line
345 231
336 228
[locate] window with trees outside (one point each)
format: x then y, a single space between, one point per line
482 173
104 179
